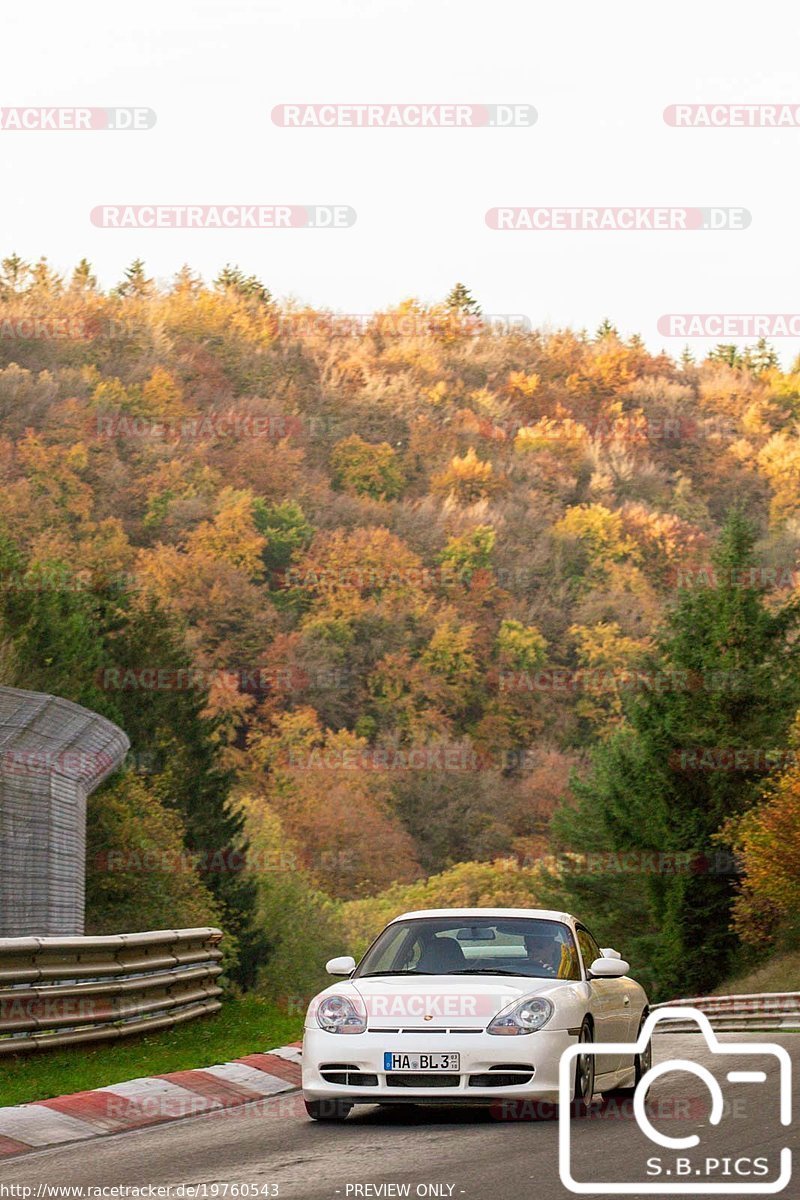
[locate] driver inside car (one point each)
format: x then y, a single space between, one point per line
544 952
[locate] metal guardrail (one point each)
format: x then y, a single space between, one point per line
767 1010
65 991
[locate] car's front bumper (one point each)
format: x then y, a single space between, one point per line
481 1055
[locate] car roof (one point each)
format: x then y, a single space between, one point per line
545 914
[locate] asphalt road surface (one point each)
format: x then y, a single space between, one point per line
447 1152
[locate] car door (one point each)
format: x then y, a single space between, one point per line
609 1002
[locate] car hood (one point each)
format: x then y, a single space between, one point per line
433 1002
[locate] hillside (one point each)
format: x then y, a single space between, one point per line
366 593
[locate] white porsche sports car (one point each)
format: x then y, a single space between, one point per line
471 1005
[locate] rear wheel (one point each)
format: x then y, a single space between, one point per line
583 1085
327 1110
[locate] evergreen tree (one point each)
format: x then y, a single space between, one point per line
726 353
187 281
135 283
460 300
44 281
663 784
13 275
83 278
761 357
72 641
54 626
232 279
170 725
606 330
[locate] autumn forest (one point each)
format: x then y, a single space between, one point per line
408 610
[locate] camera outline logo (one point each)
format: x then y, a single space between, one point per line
693 1185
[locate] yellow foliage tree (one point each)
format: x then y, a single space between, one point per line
779 459
767 840
231 536
467 479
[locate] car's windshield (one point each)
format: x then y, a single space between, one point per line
453 945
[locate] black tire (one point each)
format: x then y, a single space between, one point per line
641 1065
328 1110
583 1082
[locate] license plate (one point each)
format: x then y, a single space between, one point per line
421 1062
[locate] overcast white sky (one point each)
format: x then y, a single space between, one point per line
599 75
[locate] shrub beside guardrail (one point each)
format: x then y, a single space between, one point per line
64 991
768 1010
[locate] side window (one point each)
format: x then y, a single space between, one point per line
569 967
589 947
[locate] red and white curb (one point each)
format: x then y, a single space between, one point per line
149 1101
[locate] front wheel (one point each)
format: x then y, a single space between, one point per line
327 1110
583 1086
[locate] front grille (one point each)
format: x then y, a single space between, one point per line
347 1074
434 1080
415 1029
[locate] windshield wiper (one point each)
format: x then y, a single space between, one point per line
495 971
375 974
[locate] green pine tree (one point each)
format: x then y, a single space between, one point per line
232 279
135 283
660 787
761 357
170 725
726 353
14 274
44 281
83 277
461 300
68 638
606 330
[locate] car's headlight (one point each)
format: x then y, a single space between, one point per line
523 1016
338 1014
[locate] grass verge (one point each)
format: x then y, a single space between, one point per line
779 974
244 1026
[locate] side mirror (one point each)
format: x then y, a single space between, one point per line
608 968
345 965
607 952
